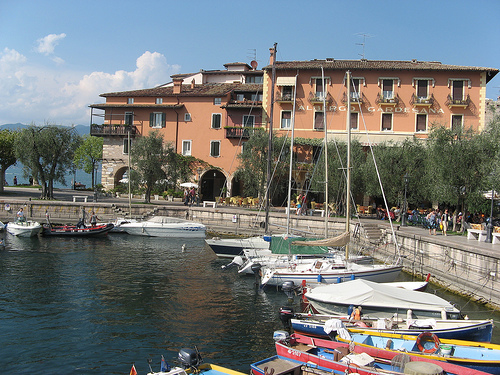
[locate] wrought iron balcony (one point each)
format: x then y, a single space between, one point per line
355 98
382 100
239 132
464 103
317 98
112 130
420 101
284 97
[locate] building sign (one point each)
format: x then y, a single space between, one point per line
387 109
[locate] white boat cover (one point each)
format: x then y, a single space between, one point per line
338 241
367 293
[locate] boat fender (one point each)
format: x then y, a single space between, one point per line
428 336
361 324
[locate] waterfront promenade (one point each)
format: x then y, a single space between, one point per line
468 267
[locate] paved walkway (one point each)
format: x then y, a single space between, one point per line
459 241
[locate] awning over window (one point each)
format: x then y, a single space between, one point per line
285 81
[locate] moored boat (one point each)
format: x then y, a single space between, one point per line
164 226
24 228
378 300
317 325
76 231
232 247
322 352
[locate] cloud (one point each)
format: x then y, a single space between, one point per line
30 93
47 44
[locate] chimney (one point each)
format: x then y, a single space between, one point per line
177 85
273 56
192 84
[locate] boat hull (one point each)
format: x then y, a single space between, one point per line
231 247
72 231
449 367
24 229
480 331
192 231
382 274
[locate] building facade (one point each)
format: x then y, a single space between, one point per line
210 114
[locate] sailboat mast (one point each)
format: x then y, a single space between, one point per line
325 152
270 143
348 170
291 158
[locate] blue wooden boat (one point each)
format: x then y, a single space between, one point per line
471 330
479 356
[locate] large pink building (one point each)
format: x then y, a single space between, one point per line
209 114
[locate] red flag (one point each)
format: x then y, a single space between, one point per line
133 370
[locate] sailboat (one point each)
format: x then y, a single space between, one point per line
327 271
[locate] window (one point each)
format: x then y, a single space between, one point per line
287 93
130 101
388 88
217 101
257 97
216 120
421 123
286 119
318 121
354 120
354 95
255 79
319 88
159 100
125 146
187 116
422 89
457 91
157 120
248 120
186 148
215 148
129 118
456 122
386 121
240 97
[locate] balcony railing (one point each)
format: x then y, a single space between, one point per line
420 101
450 102
315 97
387 101
239 132
355 98
284 97
112 130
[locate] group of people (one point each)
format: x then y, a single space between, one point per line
191 197
437 219
302 204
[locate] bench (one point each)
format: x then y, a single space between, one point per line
209 203
476 234
495 237
84 197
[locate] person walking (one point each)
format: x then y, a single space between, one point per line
444 221
431 219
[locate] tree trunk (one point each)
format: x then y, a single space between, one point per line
2 179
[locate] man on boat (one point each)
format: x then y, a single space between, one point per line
93 219
20 215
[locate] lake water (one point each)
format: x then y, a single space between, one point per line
97 305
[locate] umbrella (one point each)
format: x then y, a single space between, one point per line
189 185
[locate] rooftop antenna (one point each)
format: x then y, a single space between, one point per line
363 44
252 54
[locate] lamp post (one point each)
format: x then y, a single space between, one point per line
405 209
489 227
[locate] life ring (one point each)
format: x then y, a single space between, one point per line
428 336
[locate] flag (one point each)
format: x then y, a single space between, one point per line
164 365
133 370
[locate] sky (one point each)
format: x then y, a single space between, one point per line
58 56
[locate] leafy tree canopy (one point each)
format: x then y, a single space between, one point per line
88 155
7 153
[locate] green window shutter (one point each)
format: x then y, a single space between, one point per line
151 119
163 119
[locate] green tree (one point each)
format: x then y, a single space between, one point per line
88 155
47 154
148 156
7 153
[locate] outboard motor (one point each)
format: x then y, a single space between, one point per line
189 358
289 288
286 314
256 268
282 337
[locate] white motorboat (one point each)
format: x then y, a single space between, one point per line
231 247
164 226
378 300
24 228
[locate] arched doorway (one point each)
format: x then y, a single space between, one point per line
212 183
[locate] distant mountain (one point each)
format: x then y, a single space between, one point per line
81 129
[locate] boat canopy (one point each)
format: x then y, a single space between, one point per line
367 293
338 241
295 245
